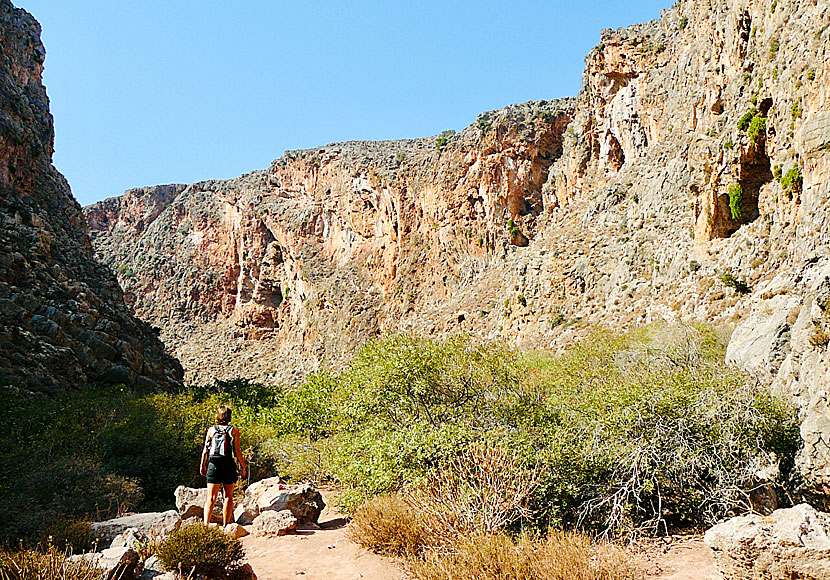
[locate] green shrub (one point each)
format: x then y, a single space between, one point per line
757 129
443 139
400 156
792 180
796 111
739 285
774 46
811 75
728 145
201 549
746 119
736 199
483 125
684 22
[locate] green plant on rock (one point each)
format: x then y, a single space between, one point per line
684 22
736 198
443 139
483 125
728 145
792 180
730 280
512 228
796 110
811 75
757 129
774 46
547 116
400 156
746 119
776 172
199 549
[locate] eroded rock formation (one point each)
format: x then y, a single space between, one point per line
63 321
688 180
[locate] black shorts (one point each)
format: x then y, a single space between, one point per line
221 471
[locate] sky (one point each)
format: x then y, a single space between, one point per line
146 92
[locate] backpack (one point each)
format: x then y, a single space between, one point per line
221 442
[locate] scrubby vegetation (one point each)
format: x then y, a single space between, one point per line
736 200
201 550
48 563
645 432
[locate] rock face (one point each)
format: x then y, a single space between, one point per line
63 320
688 181
789 543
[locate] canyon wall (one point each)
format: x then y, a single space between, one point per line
63 320
687 181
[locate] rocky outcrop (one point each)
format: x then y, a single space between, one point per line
115 563
63 320
789 543
688 181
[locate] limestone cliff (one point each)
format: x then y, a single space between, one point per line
688 180
63 321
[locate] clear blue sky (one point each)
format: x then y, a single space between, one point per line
148 91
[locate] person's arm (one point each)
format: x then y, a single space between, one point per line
238 451
204 460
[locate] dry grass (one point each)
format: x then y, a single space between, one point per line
388 525
562 556
48 564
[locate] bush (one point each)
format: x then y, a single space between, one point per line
498 557
204 549
386 524
730 280
792 180
757 129
443 139
746 119
48 563
736 199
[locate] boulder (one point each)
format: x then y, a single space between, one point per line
190 502
789 543
236 531
274 523
148 524
116 563
129 538
303 501
152 569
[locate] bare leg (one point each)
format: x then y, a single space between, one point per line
227 507
210 501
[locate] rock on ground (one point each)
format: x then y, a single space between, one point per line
147 524
274 523
303 501
190 502
792 543
117 563
235 530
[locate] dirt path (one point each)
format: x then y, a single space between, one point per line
328 554
678 558
324 554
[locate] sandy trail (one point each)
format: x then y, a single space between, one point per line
328 554
324 554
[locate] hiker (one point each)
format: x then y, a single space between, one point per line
221 446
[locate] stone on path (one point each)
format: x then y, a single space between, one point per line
304 501
274 523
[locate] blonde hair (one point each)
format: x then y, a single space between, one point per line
223 415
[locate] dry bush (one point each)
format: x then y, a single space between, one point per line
388 525
483 491
48 564
562 556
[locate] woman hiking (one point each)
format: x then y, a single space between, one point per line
221 446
